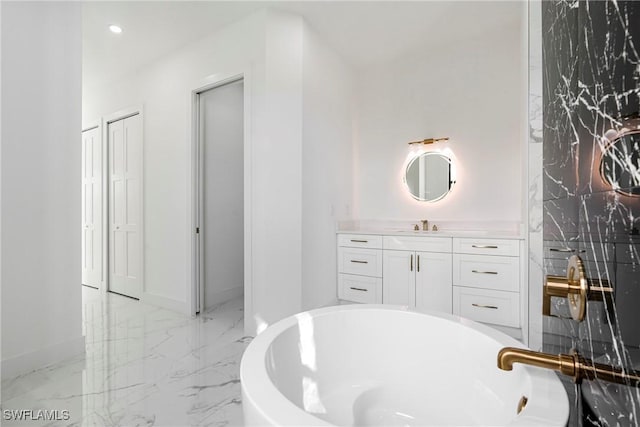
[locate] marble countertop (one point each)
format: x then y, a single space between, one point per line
488 234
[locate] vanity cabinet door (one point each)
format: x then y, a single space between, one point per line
399 280
433 281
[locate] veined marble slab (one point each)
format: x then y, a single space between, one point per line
143 366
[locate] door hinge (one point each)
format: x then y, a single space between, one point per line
197 230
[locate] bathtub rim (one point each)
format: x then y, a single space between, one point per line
551 401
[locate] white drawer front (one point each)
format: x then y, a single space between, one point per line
367 290
366 262
488 272
417 243
503 247
370 241
481 305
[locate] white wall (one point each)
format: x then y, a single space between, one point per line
304 171
268 46
41 162
164 88
473 92
327 165
277 175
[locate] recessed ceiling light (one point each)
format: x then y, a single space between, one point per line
115 29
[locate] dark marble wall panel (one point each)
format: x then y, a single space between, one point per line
591 85
560 224
560 83
610 250
609 75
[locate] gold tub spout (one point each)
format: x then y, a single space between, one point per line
572 365
558 362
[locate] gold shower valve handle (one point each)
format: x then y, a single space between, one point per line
575 287
579 287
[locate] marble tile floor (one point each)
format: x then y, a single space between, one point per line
144 366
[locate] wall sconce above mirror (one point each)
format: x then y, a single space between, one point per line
620 162
430 141
429 176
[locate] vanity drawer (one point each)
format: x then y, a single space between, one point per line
487 306
367 290
504 247
501 273
366 262
417 243
370 241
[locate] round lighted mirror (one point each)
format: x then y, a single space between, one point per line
620 163
429 176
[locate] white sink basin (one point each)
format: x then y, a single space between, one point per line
375 365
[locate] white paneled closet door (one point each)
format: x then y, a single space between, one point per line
125 206
91 207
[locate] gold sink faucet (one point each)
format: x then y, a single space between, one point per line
425 225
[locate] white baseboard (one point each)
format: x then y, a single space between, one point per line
164 302
181 306
29 362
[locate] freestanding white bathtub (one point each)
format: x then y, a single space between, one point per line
379 365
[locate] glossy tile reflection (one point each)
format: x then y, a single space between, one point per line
144 366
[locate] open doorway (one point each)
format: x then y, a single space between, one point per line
220 222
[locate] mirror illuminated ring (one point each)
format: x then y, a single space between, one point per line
429 177
620 162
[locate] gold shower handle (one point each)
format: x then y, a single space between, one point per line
576 288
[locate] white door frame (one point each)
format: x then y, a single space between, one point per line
106 120
194 291
90 126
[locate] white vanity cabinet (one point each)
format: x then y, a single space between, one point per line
477 278
360 268
487 280
417 272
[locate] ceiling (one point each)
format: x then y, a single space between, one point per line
363 32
